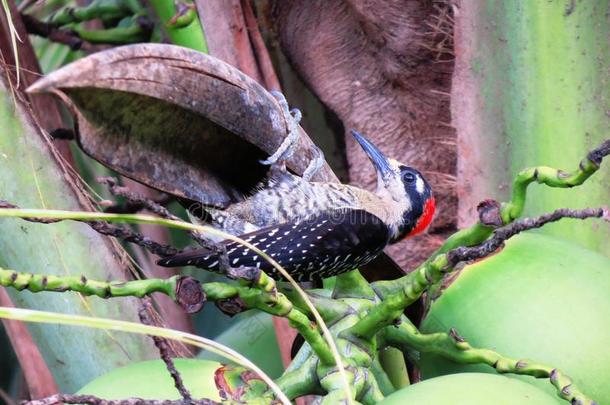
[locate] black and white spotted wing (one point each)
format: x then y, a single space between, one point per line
318 247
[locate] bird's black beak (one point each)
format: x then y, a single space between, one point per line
379 160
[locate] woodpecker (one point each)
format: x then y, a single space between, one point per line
317 230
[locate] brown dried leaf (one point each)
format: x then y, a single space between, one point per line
176 120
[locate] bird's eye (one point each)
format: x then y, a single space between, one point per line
408 177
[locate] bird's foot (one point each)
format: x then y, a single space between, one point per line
254 277
248 274
224 264
286 149
292 117
315 165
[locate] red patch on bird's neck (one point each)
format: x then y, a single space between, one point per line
426 217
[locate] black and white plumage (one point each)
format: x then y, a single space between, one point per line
317 230
312 249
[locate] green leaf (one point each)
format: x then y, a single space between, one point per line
31 175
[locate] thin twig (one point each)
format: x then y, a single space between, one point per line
138 200
136 238
185 290
93 400
454 347
118 232
52 33
463 253
164 351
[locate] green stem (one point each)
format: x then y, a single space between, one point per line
552 178
330 309
371 393
383 379
300 381
279 305
453 347
364 383
134 32
393 362
102 9
181 24
353 285
334 397
392 306
304 355
270 302
38 283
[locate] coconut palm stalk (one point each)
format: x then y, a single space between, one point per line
357 336
363 316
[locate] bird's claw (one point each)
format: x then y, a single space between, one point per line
248 274
287 147
292 117
316 164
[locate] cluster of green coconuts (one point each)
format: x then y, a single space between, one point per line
541 298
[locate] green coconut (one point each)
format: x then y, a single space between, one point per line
540 298
471 389
151 380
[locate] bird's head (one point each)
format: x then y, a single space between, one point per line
402 187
